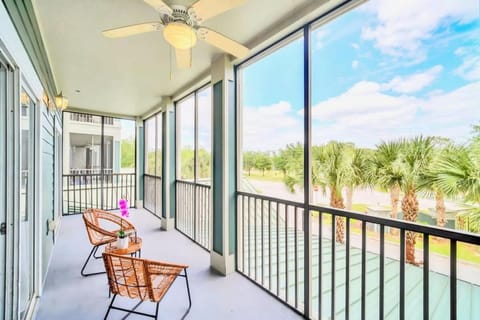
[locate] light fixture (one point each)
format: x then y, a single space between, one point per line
180 35
24 99
61 101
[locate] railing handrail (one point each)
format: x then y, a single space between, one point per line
96 174
389 222
193 183
152 176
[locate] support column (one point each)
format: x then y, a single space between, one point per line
168 166
139 163
222 256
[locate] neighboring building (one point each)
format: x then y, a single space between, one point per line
82 141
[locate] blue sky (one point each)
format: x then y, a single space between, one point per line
384 70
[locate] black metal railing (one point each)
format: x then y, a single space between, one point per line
82 191
153 194
363 274
194 214
89 118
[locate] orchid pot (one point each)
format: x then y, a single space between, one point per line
122 243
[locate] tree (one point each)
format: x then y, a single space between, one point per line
127 148
280 162
416 155
442 147
386 171
358 176
248 161
204 163
263 161
186 163
293 165
459 173
331 169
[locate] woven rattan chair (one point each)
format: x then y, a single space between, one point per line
98 235
142 279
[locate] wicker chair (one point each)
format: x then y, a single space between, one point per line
142 279
99 236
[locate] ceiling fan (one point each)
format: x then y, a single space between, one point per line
181 28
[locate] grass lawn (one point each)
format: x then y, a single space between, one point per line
270 175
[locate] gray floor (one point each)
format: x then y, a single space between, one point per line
68 295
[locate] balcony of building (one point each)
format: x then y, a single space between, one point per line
312 159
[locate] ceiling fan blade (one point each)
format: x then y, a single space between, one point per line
206 9
132 30
223 43
184 58
160 6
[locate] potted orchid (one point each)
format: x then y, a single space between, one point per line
122 241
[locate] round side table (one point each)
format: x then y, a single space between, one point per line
134 248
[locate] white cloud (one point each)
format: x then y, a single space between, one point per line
414 82
402 26
363 97
355 64
365 115
271 127
320 35
470 67
355 46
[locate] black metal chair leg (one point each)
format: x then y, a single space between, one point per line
109 307
156 310
188 290
96 257
189 297
92 252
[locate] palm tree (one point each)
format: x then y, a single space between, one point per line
386 171
429 180
459 173
358 176
332 169
292 165
416 155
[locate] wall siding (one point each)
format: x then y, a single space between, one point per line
47 191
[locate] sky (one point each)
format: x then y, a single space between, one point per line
384 70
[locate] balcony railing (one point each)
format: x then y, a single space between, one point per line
153 194
88 118
82 191
90 171
367 276
193 216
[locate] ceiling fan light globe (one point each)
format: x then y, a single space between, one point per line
180 35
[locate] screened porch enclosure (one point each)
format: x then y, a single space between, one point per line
305 159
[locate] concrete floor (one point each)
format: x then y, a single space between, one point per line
68 295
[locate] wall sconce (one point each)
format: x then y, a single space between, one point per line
24 99
61 101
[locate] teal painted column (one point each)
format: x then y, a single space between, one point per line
139 167
222 256
168 169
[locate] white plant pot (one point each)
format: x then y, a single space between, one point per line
122 243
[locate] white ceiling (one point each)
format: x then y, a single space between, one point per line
129 76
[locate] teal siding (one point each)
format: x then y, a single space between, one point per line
47 184
217 187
